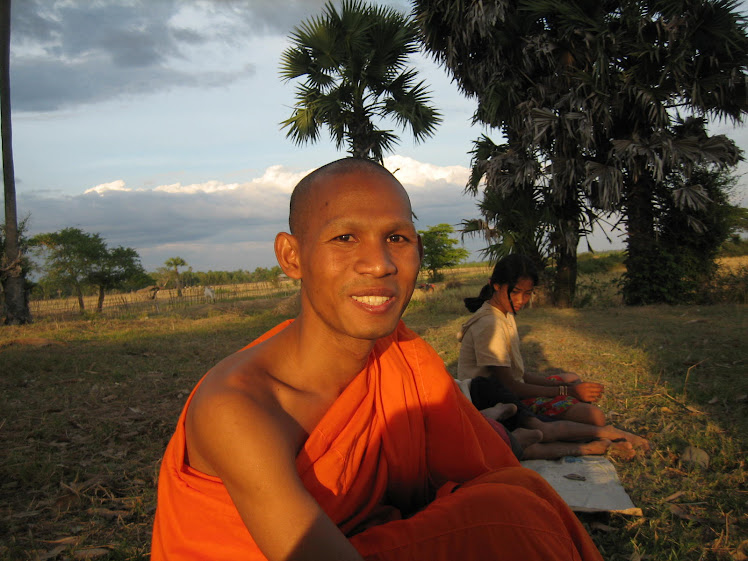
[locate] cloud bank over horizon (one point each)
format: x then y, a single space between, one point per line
224 226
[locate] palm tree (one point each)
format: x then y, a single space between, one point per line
175 263
353 61
16 305
525 211
514 219
597 89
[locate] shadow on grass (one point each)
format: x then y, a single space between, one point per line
86 420
676 375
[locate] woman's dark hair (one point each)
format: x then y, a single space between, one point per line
507 271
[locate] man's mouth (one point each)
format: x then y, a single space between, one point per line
372 300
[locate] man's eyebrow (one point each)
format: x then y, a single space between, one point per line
348 222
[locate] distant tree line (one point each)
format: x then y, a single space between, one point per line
72 262
212 278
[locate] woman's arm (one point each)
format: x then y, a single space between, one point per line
536 386
538 380
523 389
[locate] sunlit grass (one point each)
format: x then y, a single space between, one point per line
87 406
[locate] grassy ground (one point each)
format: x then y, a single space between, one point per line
87 407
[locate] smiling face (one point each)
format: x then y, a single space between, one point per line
358 254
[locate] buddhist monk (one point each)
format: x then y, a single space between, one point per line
340 435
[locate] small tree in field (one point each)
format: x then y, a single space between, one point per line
70 256
174 263
80 260
439 250
117 268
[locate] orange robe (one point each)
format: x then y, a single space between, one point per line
402 463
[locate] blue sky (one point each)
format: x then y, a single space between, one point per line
156 124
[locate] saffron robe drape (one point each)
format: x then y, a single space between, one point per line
402 463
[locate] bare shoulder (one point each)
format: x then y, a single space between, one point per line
237 406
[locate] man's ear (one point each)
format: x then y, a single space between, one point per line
420 248
287 254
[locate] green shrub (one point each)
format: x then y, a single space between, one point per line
604 262
734 247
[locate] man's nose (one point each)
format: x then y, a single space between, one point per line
375 259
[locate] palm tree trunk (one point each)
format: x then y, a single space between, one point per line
16 305
566 278
641 246
565 241
178 282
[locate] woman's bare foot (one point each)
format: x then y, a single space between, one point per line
593 448
616 434
500 411
527 437
555 450
622 449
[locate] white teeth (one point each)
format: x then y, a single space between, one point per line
371 300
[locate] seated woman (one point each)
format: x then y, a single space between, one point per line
491 363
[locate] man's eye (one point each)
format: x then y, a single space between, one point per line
397 238
344 238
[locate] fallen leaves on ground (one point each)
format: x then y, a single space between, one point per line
91 553
693 456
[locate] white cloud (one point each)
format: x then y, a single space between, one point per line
118 185
280 178
418 174
207 187
217 225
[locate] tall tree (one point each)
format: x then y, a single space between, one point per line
354 64
689 240
597 92
15 304
173 263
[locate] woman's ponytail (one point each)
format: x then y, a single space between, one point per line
473 304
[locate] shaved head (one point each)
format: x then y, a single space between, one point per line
304 191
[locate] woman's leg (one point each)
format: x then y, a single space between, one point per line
584 413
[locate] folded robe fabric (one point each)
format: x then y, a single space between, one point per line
402 463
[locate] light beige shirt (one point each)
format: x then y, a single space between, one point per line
489 338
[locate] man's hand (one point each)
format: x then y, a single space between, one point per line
586 391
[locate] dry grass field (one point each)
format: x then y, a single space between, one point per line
141 302
88 405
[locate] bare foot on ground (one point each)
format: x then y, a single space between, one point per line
555 450
616 434
622 450
593 448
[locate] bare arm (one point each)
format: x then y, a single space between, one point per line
567 378
539 380
534 386
247 445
